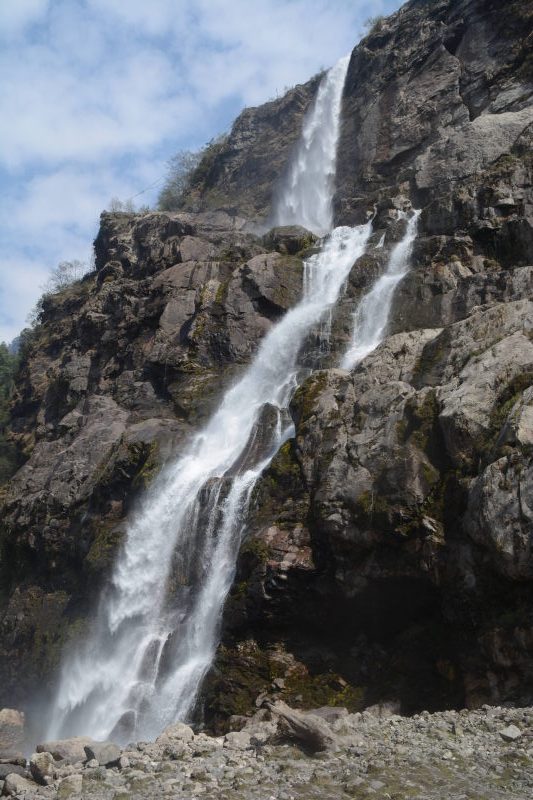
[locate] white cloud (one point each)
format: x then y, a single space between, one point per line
15 15
97 94
22 279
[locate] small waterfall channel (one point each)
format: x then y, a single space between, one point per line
141 667
372 312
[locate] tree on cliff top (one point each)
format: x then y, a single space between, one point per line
63 275
179 171
185 170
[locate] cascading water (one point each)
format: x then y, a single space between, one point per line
144 662
372 313
307 192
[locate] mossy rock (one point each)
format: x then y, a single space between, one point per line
305 397
280 495
104 547
370 505
506 400
305 691
243 672
256 551
420 421
147 459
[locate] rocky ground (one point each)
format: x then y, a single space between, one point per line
329 753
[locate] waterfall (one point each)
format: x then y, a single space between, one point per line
372 313
156 630
307 191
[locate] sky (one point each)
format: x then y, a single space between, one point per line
97 95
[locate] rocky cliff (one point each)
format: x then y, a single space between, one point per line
388 554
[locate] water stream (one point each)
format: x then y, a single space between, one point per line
149 649
306 194
156 630
372 312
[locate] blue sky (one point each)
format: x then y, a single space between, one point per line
96 95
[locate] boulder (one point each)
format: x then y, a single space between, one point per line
511 733
312 732
237 740
11 733
289 239
70 786
329 713
42 767
106 753
70 750
179 732
11 769
15 785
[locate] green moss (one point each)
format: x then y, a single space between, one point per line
243 672
369 505
284 467
148 461
103 548
280 496
239 675
401 430
222 292
431 476
306 395
327 689
307 247
506 400
256 550
420 421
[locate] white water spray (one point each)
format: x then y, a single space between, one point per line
157 627
372 313
307 192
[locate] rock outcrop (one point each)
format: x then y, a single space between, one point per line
388 551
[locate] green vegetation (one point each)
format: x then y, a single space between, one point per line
103 547
370 505
61 277
420 421
503 407
374 24
308 393
326 689
256 551
147 459
244 671
8 456
187 170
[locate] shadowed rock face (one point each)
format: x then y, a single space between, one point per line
389 550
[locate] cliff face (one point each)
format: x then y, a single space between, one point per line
241 173
389 550
124 366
